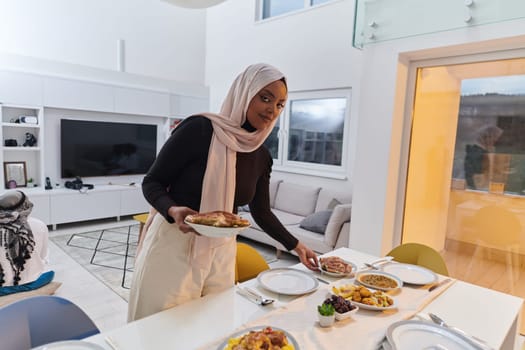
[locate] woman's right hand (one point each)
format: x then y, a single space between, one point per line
179 214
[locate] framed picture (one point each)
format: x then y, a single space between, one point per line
15 174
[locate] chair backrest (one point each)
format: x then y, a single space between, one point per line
39 320
249 263
420 254
497 226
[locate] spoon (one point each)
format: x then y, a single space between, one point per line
438 320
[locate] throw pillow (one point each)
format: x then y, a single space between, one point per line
333 203
317 221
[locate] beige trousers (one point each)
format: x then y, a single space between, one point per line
167 274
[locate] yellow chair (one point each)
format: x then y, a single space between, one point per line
141 218
420 254
249 263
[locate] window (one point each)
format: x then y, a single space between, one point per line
272 8
309 136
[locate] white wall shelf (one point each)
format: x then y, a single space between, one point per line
30 155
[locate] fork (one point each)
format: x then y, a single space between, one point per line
254 296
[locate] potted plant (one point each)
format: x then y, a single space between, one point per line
326 313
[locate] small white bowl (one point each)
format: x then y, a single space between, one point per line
326 321
347 314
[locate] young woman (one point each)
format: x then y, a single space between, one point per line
210 162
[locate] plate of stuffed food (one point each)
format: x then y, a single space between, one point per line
365 298
379 280
336 267
260 338
217 223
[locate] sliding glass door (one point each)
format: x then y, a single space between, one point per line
465 189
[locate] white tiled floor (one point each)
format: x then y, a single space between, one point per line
107 309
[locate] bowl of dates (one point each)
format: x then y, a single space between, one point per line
343 308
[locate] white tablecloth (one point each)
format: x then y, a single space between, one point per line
364 330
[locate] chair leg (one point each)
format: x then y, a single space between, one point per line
475 256
510 270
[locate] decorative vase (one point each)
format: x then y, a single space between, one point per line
326 321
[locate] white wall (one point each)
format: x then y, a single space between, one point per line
161 40
313 48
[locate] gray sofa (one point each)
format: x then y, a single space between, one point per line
318 217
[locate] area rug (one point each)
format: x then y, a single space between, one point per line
109 254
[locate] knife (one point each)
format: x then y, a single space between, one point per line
437 285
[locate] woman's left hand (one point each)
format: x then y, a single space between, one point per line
307 256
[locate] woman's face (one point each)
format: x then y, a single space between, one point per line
266 105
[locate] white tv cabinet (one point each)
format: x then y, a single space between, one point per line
63 205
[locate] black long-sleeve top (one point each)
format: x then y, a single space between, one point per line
180 167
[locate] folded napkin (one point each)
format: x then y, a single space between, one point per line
364 330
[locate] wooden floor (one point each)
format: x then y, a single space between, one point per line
487 269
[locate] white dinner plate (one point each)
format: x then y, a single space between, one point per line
288 281
379 273
70 345
338 274
291 339
426 336
411 274
216 232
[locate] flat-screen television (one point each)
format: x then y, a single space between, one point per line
94 148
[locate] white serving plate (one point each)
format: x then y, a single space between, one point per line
216 232
411 274
70 345
426 336
288 281
381 273
291 339
376 308
337 274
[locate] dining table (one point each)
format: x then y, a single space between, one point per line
208 322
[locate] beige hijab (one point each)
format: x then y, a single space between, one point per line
218 190
228 137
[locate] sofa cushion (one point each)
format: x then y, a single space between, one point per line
284 217
312 240
327 196
274 185
287 218
296 199
317 221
